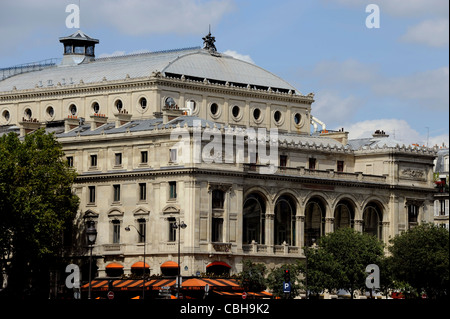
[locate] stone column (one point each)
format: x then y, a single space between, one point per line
300 232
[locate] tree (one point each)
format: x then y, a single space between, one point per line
36 206
275 279
420 259
340 260
252 276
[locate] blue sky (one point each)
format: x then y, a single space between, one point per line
393 78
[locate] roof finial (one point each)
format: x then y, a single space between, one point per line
208 42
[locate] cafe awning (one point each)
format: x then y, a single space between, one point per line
218 263
139 264
169 264
114 266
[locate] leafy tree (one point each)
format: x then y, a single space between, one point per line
36 206
321 271
420 260
275 279
252 276
340 260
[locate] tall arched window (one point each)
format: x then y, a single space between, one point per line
314 221
254 219
284 224
372 218
344 215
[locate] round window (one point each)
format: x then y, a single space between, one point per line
256 114
297 118
95 107
170 103
214 109
28 114
277 116
119 105
235 111
50 111
143 103
6 116
73 109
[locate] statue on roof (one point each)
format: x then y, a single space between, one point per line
208 42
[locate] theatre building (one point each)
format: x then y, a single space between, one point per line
182 138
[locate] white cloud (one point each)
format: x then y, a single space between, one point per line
144 17
331 108
429 88
433 33
398 129
239 56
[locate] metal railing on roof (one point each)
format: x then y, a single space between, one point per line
27 67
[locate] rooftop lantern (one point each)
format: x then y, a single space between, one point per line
78 48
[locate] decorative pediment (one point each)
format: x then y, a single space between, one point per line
171 209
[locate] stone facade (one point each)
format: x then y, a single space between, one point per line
118 134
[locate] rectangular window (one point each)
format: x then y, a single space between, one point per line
142 230
172 229
116 231
283 160
172 189
217 227
118 159
93 160
70 161
142 191
91 194
116 193
173 155
312 163
144 157
340 166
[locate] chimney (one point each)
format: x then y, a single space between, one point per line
341 136
379 133
98 120
122 118
28 126
71 122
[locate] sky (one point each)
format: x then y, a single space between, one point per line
393 77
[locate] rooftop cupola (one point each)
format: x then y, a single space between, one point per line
78 48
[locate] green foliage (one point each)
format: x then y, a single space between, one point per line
275 279
340 260
252 276
36 201
420 260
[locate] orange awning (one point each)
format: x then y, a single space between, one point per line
218 263
169 264
140 264
114 266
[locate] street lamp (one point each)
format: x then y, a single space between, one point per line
91 236
143 266
179 226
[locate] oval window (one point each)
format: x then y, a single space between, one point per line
143 103
297 118
73 109
95 107
28 114
50 111
214 109
6 115
277 116
170 103
235 111
256 114
119 105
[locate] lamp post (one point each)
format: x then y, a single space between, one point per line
143 266
91 236
179 226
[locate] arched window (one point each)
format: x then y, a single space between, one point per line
344 215
372 218
284 221
314 221
254 219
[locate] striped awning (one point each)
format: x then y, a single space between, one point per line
130 284
157 284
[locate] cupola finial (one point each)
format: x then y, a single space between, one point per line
208 42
